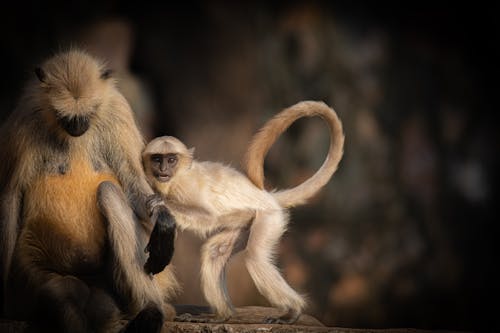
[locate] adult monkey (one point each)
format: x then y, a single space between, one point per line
76 210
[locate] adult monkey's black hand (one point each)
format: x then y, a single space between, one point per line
161 241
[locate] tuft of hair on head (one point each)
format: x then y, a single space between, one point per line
74 83
167 144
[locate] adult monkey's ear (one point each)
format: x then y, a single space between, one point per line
106 74
40 74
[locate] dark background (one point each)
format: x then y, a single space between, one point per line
403 236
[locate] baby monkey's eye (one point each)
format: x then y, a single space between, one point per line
156 158
172 159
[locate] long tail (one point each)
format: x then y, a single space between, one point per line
269 133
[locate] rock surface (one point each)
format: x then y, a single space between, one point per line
246 320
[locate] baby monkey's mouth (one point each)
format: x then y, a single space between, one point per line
163 177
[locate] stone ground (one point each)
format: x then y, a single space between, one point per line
246 320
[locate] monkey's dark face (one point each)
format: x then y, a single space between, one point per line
74 126
163 166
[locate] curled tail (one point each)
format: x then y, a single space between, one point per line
269 133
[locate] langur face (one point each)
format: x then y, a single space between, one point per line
163 166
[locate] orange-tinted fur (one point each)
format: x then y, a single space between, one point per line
64 215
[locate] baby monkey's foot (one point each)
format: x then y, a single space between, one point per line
289 318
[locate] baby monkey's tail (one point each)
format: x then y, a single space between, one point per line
269 133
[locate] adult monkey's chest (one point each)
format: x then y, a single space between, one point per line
62 217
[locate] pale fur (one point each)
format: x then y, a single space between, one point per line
268 134
218 202
34 150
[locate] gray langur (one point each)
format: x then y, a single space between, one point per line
235 212
76 210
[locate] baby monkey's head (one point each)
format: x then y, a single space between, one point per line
72 88
164 157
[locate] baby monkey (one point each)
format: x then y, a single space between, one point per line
235 212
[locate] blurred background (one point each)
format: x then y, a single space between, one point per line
403 235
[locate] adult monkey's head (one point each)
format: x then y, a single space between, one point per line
71 90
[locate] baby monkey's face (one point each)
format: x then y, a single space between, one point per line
163 166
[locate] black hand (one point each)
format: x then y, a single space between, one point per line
161 242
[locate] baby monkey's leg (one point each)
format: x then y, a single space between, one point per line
214 257
265 233
215 254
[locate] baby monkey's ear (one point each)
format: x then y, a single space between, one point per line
40 74
191 157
